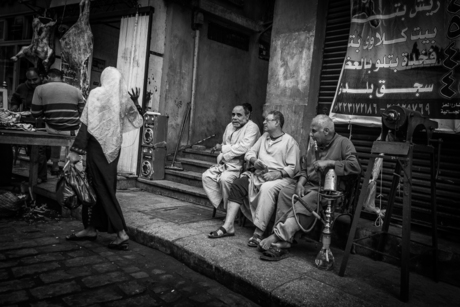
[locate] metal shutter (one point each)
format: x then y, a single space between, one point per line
448 187
335 49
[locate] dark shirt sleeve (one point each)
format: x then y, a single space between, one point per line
139 109
349 165
81 141
18 97
303 167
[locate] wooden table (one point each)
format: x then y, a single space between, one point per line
35 139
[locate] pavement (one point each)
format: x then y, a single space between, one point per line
180 229
39 268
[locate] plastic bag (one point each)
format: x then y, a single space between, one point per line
74 184
65 195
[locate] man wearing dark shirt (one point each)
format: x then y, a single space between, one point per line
21 99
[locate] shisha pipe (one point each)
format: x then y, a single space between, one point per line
325 259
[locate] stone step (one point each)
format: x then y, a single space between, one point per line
200 155
184 177
192 165
176 190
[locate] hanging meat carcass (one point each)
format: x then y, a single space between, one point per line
41 47
77 45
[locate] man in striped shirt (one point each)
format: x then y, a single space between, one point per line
60 105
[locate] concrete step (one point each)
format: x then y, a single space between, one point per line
176 190
184 177
200 155
192 165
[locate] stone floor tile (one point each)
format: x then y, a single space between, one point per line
104 279
81 261
54 290
17 284
132 288
13 298
34 269
92 297
105 267
140 301
139 275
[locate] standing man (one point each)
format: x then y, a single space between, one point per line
21 100
60 105
238 137
333 151
275 158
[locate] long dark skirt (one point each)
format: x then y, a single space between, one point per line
106 215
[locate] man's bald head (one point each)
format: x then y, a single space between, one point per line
324 121
322 129
33 78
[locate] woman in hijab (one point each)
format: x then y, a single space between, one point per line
108 113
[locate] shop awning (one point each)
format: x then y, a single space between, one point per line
55 3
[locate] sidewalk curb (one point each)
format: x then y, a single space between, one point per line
202 266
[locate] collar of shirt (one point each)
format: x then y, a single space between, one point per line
270 142
328 144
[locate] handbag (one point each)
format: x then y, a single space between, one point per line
73 188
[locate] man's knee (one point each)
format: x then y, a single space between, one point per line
228 178
205 175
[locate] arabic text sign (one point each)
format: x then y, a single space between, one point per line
402 53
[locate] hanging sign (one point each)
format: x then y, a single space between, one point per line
402 53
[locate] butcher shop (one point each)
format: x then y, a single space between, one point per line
79 39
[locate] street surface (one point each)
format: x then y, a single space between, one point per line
38 267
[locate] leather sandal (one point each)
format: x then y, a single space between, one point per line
254 241
123 245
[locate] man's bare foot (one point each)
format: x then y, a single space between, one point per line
86 233
267 242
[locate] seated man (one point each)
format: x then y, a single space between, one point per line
275 157
60 105
334 151
238 137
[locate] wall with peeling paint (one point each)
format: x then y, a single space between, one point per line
176 78
295 56
226 76
157 50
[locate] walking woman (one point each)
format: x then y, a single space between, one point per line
108 113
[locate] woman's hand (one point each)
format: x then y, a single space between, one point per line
73 157
134 94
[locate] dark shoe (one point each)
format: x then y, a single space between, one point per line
215 234
123 245
55 172
73 237
275 254
254 241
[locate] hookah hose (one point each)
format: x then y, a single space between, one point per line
315 214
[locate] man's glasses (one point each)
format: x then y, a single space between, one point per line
269 120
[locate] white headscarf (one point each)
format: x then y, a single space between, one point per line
109 112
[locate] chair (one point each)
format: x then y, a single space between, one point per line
346 205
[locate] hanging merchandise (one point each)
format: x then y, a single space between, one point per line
40 51
77 47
